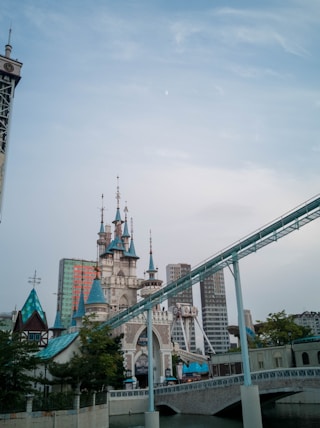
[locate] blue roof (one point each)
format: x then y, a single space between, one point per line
132 250
81 311
118 216
57 322
151 265
126 233
96 294
32 304
101 228
57 345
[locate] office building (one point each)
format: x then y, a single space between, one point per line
74 275
214 312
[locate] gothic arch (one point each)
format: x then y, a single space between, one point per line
155 333
123 302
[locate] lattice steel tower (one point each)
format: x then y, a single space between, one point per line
9 78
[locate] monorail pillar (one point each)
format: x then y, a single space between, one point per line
250 398
151 418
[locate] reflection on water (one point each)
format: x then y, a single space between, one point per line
281 416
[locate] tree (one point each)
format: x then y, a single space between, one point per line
279 329
100 362
18 361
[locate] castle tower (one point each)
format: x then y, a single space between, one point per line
9 78
118 265
151 285
96 303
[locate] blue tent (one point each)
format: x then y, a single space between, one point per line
195 368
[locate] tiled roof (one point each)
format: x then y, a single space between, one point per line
57 345
32 304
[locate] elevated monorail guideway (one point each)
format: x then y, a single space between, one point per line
272 232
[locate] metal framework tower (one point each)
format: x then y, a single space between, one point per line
9 78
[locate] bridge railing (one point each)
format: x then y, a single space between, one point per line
293 373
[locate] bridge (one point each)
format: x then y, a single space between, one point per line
221 396
272 232
291 221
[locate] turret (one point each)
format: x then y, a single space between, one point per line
96 302
151 285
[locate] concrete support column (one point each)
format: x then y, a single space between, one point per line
76 405
151 420
93 421
250 399
29 398
251 410
151 417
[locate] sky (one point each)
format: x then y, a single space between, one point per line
208 112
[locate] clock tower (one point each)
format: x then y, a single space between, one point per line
9 78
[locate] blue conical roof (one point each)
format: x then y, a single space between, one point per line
151 264
126 233
96 294
118 216
57 322
81 311
132 250
31 305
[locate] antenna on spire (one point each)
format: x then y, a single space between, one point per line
9 37
126 211
102 208
34 280
150 242
8 46
131 228
118 193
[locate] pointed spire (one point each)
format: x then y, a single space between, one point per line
102 210
96 294
81 311
57 326
126 233
151 271
132 251
118 216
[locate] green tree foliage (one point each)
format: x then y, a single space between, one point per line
18 361
279 329
99 363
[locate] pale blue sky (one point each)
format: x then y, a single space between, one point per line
208 112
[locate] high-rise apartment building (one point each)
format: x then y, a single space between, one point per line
214 312
9 78
174 272
310 320
74 275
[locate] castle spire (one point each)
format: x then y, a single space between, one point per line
102 210
132 250
151 271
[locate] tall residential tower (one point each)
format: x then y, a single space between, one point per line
9 78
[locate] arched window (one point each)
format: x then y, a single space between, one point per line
305 358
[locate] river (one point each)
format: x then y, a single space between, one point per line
282 416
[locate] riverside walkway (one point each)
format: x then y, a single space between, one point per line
221 395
